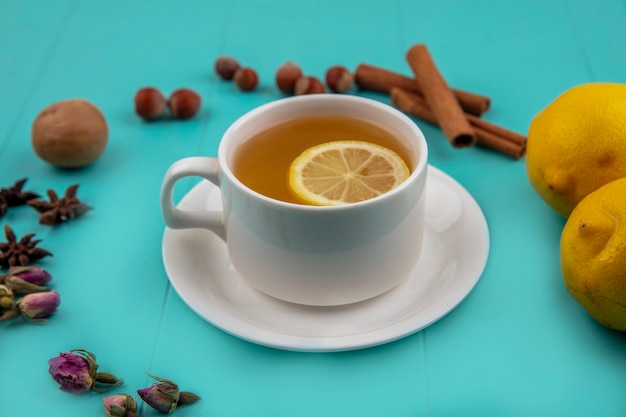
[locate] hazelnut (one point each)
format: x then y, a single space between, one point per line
69 134
226 66
339 79
308 85
246 79
184 103
150 104
286 77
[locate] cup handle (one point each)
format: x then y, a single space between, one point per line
176 218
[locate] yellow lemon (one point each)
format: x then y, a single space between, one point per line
577 144
342 172
593 254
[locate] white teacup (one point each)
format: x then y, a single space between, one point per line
311 255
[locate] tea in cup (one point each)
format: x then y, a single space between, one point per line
285 246
263 162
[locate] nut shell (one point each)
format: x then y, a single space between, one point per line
184 103
246 79
339 79
70 134
226 66
286 77
150 103
308 85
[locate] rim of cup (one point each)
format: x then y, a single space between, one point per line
420 164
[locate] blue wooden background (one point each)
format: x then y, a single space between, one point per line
519 345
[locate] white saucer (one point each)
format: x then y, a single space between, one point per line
456 248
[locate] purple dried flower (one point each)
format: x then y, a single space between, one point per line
76 372
39 306
31 274
73 371
164 396
121 405
26 279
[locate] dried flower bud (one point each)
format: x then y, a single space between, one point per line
164 396
73 371
39 306
121 405
32 274
8 308
7 303
76 372
27 279
6 298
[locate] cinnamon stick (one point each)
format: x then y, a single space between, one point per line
511 136
499 143
369 77
488 134
444 105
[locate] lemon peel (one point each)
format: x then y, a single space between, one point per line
593 254
577 144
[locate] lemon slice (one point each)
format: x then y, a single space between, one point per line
342 172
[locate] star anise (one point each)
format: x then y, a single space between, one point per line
22 252
14 196
58 210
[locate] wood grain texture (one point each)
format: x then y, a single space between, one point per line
517 346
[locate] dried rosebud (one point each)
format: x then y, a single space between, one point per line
121 405
76 372
32 274
6 298
39 306
8 308
6 303
26 279
73 371
164 396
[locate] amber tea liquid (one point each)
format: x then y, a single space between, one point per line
262 161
